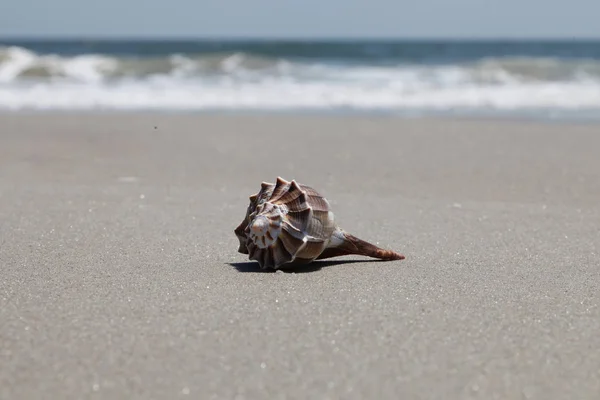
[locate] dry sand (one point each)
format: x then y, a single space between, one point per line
120 277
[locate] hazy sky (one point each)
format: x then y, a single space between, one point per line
302 18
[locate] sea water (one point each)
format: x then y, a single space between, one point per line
494 78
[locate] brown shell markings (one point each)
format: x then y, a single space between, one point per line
289 224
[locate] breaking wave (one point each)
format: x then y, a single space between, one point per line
240 81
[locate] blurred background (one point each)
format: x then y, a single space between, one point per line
433 57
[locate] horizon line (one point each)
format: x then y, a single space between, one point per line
240 38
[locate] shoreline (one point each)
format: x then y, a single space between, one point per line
324 114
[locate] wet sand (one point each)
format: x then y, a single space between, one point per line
120 277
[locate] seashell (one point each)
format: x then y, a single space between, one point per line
289 224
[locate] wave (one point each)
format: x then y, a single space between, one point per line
18 63
237 80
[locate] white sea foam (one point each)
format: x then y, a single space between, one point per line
238 82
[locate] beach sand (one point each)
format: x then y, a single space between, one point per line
120 276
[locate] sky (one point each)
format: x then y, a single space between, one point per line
302 18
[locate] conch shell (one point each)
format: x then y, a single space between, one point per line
289 224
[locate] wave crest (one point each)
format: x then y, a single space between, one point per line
19 63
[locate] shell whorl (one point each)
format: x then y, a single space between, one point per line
265 227
286 222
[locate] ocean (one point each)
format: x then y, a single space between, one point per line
541 79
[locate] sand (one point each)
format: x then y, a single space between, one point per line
120 277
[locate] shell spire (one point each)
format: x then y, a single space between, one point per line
289 224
